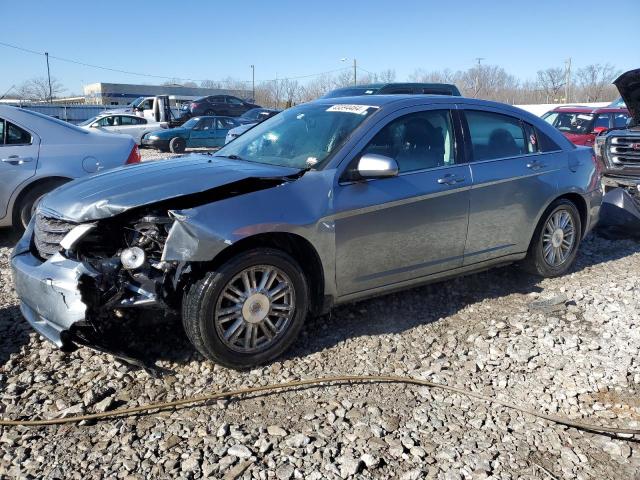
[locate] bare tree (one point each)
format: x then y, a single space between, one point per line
172 82
551 82
387 76
316 88
594 80
343 79
37 89
438 76
190 84
210 84
291 90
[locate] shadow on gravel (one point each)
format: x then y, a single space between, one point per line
14 334
8 237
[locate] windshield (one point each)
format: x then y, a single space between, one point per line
570 122
252 114
300 137
87 122
136 102
191 122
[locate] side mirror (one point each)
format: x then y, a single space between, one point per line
372 165
599 130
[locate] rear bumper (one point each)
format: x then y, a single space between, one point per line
594 202
50 298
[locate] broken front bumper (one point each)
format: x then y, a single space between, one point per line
50 299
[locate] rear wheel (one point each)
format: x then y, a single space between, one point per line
177 145
555 242
29 202
249 310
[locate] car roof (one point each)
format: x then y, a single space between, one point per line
587 109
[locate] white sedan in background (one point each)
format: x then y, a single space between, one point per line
123 123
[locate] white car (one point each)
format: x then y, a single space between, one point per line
39 153
123 123
236 132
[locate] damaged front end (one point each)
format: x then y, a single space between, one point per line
75 280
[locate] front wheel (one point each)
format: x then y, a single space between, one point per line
555 242
177 145
249 310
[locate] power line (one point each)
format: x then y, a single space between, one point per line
127 72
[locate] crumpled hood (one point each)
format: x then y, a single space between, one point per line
628 84
116 191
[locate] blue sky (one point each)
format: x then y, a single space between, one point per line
291 38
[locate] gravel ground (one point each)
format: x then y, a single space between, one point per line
476 332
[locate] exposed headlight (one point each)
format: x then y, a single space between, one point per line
153 137
132 258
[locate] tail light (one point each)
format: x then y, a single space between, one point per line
193 106
134 156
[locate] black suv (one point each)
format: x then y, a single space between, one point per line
395 89
223 105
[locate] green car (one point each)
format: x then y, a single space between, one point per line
195 132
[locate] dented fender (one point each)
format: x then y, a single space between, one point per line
201 233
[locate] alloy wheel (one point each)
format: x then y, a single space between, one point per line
255 308
558 238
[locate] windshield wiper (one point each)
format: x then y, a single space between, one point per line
232 157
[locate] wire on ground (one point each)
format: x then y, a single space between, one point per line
129 411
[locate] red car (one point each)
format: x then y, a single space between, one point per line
581 125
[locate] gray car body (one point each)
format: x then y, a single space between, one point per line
369 237
59 152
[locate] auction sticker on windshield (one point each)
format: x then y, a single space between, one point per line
357 109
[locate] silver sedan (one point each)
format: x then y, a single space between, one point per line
329 202
39 153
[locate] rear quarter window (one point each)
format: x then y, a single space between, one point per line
17 135
545 142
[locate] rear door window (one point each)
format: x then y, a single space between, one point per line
132 120
494 135
16 135
225 123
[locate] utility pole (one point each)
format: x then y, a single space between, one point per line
253 83
567 80
46 54
355 68
477 89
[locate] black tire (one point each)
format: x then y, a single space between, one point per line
201 298
27 204
535 261
177 145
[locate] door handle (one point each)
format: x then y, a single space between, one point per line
535 165
16 160
450 179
